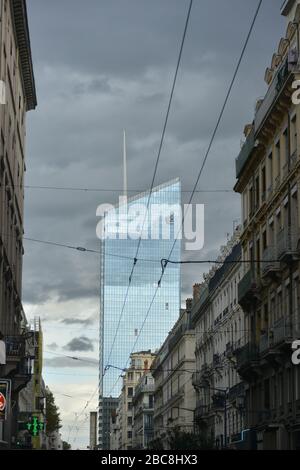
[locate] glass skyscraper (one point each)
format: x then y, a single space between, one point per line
120 332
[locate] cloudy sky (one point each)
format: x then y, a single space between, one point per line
101 66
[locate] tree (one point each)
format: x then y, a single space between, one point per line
52 414
66 446
183 440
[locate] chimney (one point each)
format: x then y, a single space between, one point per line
196 292
188 305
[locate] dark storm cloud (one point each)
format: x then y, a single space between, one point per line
52 346
104 66
78 321
80 344
65 362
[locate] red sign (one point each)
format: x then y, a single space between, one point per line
2 402
5 387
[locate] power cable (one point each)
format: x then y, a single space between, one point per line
206 155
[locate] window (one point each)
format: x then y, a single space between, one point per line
263 183
129 406
270 164
129 434
278 160
271 234
286 146
265 325
289 385
281 389
294 136
129 420
267 394
130 392
264 240
279 300
274 388
130 376
151 401
257 201
258 267
251 201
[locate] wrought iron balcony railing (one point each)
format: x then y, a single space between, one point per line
247 289
199 377
269 260
245 153
15 347
271 95
287 241
247 355
236 391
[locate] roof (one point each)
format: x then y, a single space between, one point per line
229 261
20 19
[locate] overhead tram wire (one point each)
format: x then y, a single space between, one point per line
74 358
205 157
119 190
161 261
155 171
79 248
109 190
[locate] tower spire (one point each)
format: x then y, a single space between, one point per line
124 165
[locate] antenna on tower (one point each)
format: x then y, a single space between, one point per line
124 166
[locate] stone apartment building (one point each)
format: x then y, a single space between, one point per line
175 398
18 96
109 407
268 175
140 363
219 329
143 407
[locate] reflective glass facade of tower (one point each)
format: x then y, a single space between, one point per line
135 327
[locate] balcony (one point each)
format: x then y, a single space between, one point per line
199 378
287 243
272 96
280 335
247 290
201 412
19 356
269 264
289 165
236 392
282 331
245 153
15 348
143 389
218 400
247 358
264 343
